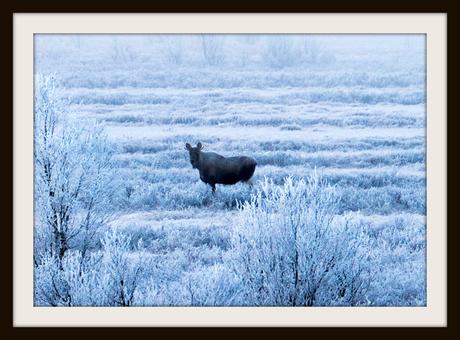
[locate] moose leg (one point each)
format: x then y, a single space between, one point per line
212 182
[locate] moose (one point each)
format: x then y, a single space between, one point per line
216 169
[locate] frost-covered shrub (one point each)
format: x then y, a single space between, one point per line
400 255
75 281
72 175
109 277
122 269
214 285
292 251
50 287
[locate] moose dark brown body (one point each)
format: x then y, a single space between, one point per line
216 169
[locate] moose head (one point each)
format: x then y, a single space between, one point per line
194 153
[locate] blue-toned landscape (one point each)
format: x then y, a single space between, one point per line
334 215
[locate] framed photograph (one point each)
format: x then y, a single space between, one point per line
225 169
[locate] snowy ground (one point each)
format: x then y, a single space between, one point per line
362 128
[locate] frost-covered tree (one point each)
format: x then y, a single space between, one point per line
280 52
213 49
173 49
77 40
292 250
121 52
310 49
72 175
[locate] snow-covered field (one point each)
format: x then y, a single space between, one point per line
353 107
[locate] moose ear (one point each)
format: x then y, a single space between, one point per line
188 146
199 146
